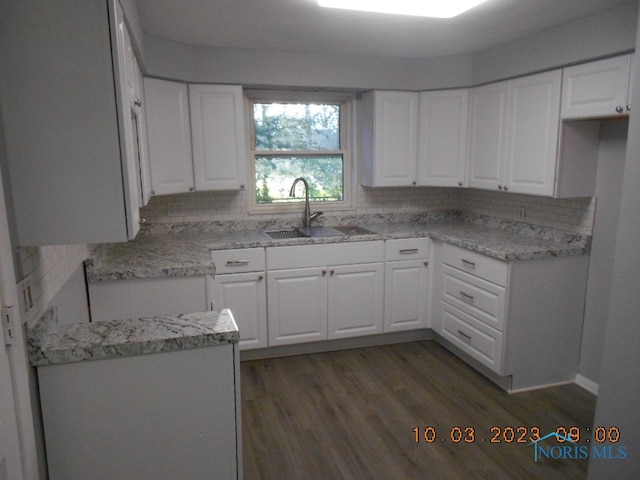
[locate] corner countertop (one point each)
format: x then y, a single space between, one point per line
180 250
52 344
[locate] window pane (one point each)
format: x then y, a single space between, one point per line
275 175
288 126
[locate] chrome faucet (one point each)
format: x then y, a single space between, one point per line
307 210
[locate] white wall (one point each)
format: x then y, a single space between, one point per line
611 158
612 32
619 393
173 60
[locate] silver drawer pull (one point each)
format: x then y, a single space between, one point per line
468 262
464 335
466 295
408 251
237 263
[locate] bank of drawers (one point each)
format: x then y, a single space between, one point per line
474 303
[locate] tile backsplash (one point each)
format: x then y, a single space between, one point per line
571 215
49 268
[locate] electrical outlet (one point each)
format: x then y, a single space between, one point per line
520 213
25 290
174 209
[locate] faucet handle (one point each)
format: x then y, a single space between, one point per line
315 215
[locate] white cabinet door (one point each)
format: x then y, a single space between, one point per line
355 297
389 138
218 137
488 110
129 125
297 305
143 135
442 138
533 125
596 89
405 295
171 164
246 295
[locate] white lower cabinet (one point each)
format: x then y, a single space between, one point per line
406 289
520 319
338 292
239 284
245 294
297 304
159 416
355 295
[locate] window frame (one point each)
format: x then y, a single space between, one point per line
347 102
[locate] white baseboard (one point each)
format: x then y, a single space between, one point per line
587 384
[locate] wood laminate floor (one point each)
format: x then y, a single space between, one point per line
350 415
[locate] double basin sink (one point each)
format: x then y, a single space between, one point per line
317 232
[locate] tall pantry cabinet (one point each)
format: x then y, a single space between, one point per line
73 169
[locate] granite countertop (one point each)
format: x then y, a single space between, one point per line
185 249
51 344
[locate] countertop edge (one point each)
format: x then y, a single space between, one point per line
52 344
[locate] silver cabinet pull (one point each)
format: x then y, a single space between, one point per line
468 262
464 335
408 251
466 295
619 109
260 278
237 263
324 272
425 263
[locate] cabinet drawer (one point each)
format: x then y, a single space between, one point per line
406 249
238 261
475 263
483 300
473 337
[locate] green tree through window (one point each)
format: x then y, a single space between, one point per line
298 140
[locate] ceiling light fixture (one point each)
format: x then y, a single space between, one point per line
420 8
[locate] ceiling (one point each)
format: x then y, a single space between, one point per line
302 26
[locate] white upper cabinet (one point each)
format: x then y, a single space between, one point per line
171 164
442 138
143 134
130 124
513 135
218 137
67 126
532 148
488 110
389 138
597 89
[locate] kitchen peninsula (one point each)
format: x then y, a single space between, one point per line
151 398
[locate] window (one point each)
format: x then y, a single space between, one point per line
296 134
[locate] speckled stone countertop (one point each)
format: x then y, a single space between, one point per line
51 344
178 250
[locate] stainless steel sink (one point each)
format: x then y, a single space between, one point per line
284 234
316 232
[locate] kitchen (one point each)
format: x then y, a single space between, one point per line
563 45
